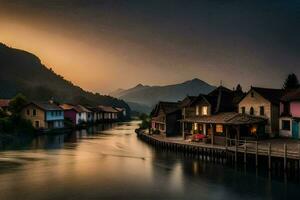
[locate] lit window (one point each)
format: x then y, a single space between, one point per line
195 126
204 110
219 128
253 130
197 110
183 111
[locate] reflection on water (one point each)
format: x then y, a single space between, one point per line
109 162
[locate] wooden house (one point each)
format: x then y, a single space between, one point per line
109 114
263 102
289 122
215 116
83 115
44 115
70 113
165 118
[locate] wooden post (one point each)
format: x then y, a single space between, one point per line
245 153
256 154
284 158
299 157
212 133
235 153
183 134
226 134
269 156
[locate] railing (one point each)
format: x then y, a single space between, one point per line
263 148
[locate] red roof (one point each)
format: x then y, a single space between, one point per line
4 103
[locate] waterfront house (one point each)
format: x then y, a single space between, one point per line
83 115
70 113
263 102
165 118
121 113
44 115
214 116
4 105
109 114
290 115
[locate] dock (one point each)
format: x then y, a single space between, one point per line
269 153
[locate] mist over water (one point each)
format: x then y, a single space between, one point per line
110 162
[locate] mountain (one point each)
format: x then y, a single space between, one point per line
23 72
147 96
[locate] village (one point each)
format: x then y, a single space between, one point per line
261 122
49 115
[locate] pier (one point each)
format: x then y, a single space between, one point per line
266 153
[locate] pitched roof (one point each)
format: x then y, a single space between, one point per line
293 95
46 105
221 99
272 95
66 106
232 118
107 109
81 109
187 101
4 102
166 107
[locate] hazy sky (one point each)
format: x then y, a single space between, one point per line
103 45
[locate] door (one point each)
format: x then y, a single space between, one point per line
295 129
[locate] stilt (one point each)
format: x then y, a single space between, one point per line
269 156
256 154
284 158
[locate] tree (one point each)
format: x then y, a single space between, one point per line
17 103
291 82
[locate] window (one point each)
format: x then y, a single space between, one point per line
262 110
286 125
197 110
204 110
219 128
251 111
28 112
183 111
252 94
34 112
243 109
195 126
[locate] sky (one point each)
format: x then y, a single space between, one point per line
103 45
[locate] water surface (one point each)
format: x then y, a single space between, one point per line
110 162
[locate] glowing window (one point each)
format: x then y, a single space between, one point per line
197 110
204 110
219 128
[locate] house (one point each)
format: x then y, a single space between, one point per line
4 104
83 115
44 115
122 114
263 102
215 116
165 118
70 113
109 114
289 122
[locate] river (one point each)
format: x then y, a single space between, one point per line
110 162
